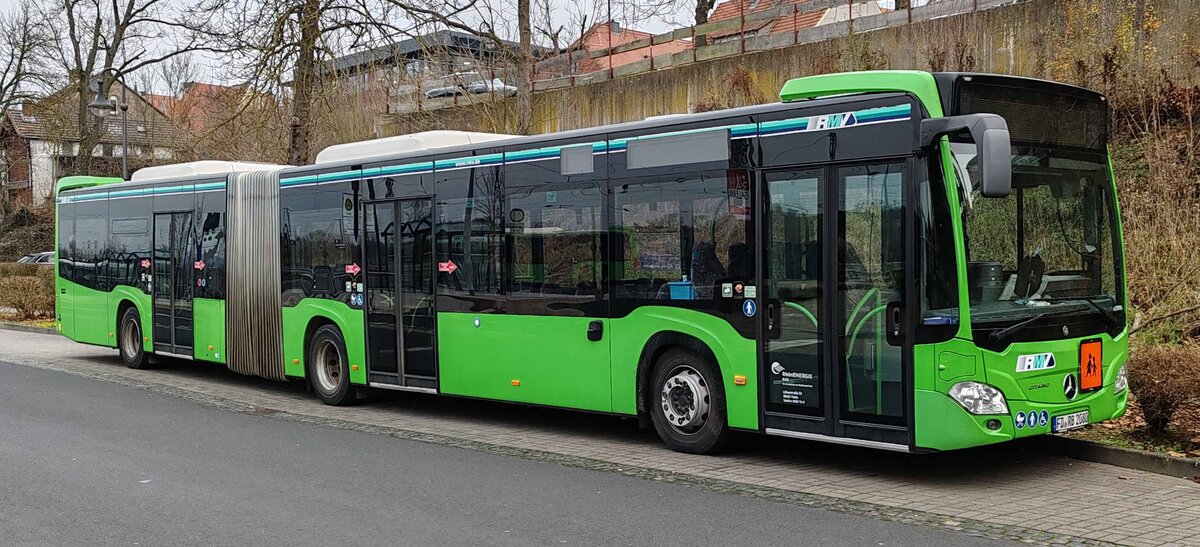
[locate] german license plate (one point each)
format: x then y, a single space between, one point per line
1068 422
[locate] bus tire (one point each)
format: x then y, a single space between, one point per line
687 403
129 340
328 368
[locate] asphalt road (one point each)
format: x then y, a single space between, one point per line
84 462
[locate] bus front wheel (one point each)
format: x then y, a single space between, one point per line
328 370
687 403
130 340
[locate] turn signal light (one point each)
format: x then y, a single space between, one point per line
739 380
516 383
295 361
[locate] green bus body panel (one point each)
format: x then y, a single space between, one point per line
941 424
208 330
350 321
735 356
920 84
556 365
95 324
545 360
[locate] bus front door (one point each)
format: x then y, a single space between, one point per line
833 279
399 294
174 256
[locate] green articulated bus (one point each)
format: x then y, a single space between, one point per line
899 260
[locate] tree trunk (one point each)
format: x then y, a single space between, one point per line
90 126
525 64
702 9
304 83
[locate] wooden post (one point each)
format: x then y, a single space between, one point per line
795 23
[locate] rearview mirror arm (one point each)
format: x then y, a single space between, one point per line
992 144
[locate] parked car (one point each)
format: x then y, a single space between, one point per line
443 91
44 258
496 85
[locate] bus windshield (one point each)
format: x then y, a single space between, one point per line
1048 249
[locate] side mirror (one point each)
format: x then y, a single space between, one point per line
992 146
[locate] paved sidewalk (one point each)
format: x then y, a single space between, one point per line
998 492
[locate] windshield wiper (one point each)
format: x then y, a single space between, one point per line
1108 315
1011 329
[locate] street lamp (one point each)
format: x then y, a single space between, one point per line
102 106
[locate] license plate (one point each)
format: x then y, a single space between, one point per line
1070 421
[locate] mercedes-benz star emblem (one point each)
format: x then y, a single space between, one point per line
1069 387
1066 331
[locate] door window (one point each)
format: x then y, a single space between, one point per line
870 276
793 348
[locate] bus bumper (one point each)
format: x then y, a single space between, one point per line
942 424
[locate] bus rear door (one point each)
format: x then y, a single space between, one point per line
401 319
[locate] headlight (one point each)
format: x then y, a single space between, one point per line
979 398
1122 380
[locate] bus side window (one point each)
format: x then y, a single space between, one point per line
555 254
680 239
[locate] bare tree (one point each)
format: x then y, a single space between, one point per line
111 40
23 70
525 66
289 45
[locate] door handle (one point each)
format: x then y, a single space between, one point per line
595 330
895 323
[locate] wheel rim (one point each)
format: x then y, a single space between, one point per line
130 336
685 400
328 361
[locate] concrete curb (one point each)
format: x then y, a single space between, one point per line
1129 458
26 328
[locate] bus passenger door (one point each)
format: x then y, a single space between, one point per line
64 305
401 321
174 244
833 275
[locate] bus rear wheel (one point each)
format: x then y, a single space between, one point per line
687 403
129 340
328 370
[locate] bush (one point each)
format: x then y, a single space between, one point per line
1164 377
32 296
10 269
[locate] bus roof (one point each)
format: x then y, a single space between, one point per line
415 142
177 171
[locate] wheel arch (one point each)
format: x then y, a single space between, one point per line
653 350
310 330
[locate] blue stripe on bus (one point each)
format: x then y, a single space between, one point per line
140 192
764 129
